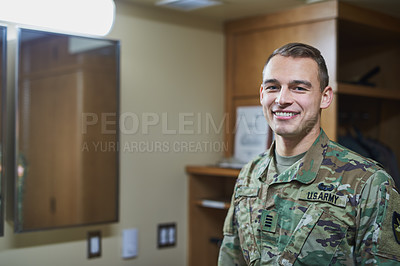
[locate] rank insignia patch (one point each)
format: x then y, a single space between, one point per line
396 226
269 221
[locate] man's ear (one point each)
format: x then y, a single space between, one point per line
327 97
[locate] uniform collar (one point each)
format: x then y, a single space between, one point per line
309 165
263 170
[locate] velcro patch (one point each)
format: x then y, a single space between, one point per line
396 226
388 243
269 221
323 196
246 192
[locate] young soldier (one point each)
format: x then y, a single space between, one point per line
308 200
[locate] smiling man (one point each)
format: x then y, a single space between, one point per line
308 200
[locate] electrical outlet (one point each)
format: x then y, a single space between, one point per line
166 235
94 244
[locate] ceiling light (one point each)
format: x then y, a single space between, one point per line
187 5
93 17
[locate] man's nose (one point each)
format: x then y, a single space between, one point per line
284 97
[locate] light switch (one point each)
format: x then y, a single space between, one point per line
94 244
129 243
166 235
171 235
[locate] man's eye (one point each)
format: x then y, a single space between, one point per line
300 89
271 88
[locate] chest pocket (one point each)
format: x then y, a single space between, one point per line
245 200
315 239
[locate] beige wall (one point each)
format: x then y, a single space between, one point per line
171 66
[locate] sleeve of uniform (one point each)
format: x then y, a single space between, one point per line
230 252
378 232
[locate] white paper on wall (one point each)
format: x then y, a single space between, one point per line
252 133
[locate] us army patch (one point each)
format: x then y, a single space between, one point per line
388 242
268 221
396 226
322 196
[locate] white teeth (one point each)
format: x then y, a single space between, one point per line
284 114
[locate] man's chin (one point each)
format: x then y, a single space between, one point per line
290 133
287 134
295 133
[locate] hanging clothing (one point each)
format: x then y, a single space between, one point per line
373 149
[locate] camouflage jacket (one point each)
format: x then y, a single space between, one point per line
332 207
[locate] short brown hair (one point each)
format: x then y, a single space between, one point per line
301 50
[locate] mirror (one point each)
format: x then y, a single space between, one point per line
3 59
67 131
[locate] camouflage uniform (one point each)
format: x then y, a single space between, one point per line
332 207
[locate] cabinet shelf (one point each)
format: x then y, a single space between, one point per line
375 92
212 171
214 204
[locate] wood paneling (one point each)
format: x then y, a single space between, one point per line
368 17
305 14
48 109
252 49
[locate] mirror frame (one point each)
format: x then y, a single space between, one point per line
3 114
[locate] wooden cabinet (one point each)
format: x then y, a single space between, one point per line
353 42
210 190
45 109
369 42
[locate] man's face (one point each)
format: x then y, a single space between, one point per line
291 96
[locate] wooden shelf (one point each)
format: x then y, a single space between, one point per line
213 171
344 88
214 204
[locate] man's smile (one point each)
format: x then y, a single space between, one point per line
285 114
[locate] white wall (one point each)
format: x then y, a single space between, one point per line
171 66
